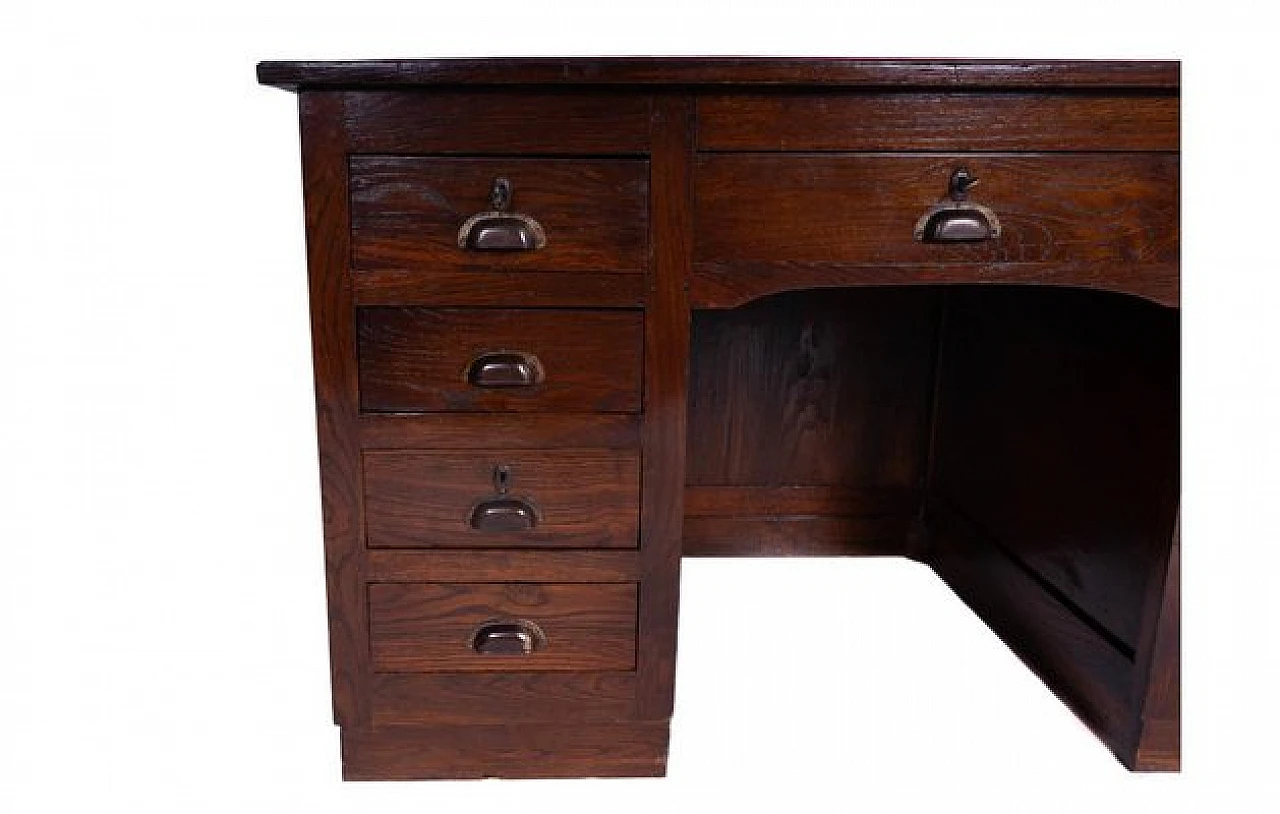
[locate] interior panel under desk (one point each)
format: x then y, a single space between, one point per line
1023 441
809 417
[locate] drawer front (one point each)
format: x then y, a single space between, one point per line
863 209
406 213
425 628
479 498
429 360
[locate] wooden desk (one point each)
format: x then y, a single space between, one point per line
574 319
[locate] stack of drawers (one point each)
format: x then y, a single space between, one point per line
495 366
407 214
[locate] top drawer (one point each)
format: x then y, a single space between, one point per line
407 214
790 210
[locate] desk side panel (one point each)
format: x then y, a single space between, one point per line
1054 486
324 171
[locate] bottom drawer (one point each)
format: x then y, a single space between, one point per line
502 627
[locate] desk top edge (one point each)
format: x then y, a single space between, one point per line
722 71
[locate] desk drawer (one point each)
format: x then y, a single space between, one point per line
793 210
429 360
407 214
482 627
486 498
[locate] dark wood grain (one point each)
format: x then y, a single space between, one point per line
626 749
480 121
937 121
428 627
1022 440
584 498
734 501
333 344
1082 667
729 285
781 521
1058 433
488 565
494 287
500 430
949 73
817 388
1057 445
406 213
1119 212
407 699
416 359
1158 741
666 374
758 535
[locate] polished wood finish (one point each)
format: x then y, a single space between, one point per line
666 355
1159 672
406 214
760 535
1044 74
797 520
583 498
445 121
424 628
416 359
937 122
496 288
1063 217
488 565
729 285
1088 506
615 749
407 699
501 430
1055 483
1083 668
734 501
820 388
333 343
731 344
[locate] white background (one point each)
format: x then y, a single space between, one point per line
163 644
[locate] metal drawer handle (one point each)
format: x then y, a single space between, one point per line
518 637
500 230
958 220
505 369
503 514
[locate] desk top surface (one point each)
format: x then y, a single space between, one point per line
709 71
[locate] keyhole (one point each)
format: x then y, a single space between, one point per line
502 478
500 194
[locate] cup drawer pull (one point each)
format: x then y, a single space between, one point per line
508 638
500 230
503 514
957 219
504 369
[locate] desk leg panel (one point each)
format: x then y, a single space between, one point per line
666 374
1053 498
